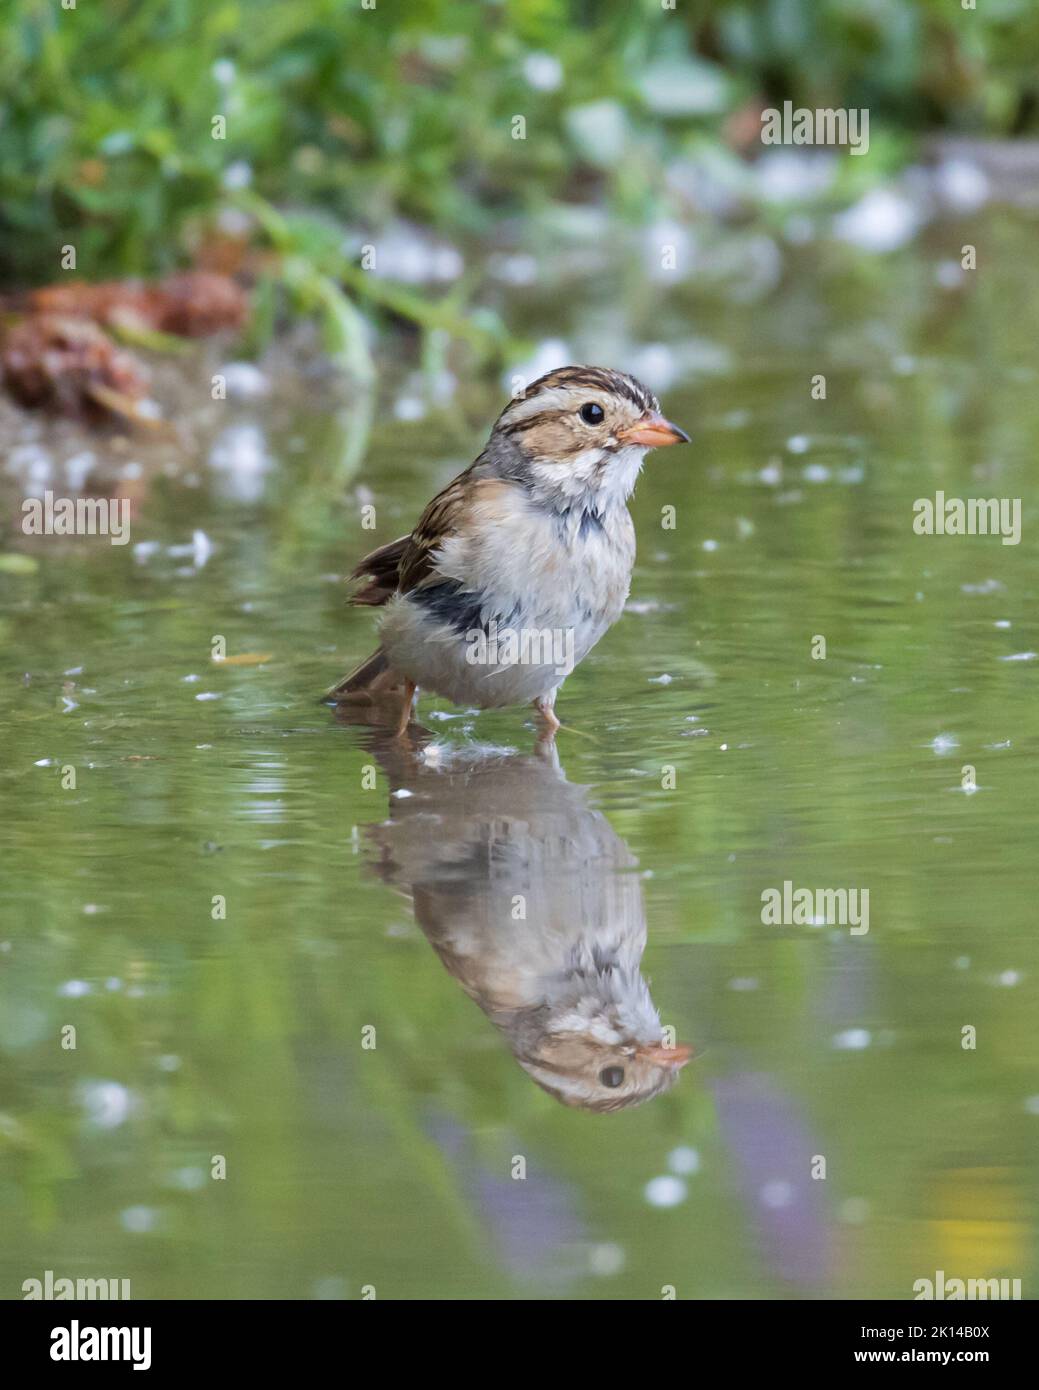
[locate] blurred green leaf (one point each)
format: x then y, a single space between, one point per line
13 563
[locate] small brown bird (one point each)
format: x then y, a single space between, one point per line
520 565
529 897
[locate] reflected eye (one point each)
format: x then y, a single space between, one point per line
593 414
612 1077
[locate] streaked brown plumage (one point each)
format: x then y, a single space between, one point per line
530 900
534 537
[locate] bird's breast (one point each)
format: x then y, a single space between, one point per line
540 586
549 569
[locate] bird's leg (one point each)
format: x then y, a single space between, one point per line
406 708
544 706
546 748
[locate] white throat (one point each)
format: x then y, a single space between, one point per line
599 479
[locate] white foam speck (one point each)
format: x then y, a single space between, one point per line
665 1191
408 408
683 1160
880 221
106 1103
244 380
138 1220
543 71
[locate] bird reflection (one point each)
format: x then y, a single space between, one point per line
532 903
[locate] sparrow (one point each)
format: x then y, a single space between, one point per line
517 568
530 899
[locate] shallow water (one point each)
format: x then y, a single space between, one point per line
710 758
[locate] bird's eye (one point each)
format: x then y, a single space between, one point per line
592 414
612 1077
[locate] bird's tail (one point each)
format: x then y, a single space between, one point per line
373 677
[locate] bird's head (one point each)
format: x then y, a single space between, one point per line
597 1042
579 435
589 1075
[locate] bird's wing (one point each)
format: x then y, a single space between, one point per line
444 517
382 570
467 503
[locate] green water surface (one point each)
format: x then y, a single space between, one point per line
724 758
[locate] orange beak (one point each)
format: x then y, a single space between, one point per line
653 432
664 1056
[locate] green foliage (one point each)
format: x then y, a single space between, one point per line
107 111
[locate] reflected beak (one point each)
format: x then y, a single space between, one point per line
664 1056
653 432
